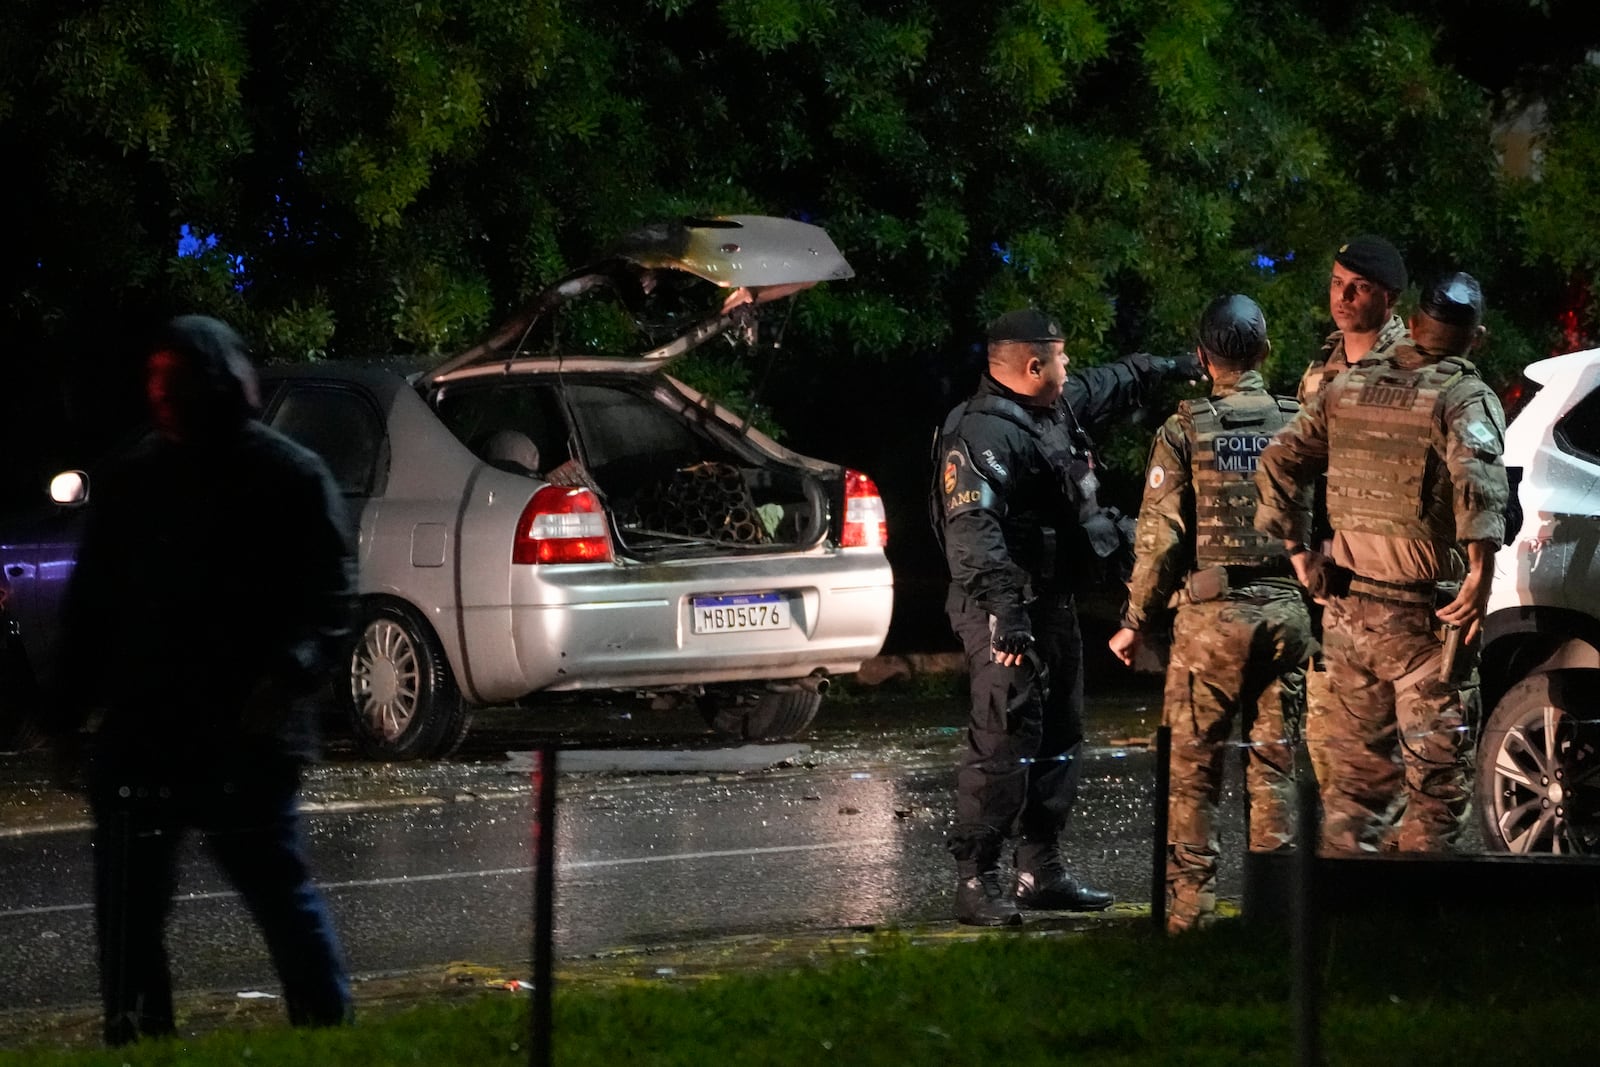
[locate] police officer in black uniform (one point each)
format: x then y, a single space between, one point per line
1015 490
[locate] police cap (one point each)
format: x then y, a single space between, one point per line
1375 259
1024 324
1455 299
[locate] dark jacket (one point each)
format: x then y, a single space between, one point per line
1016 485
211 597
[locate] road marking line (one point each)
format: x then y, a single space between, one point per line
499 872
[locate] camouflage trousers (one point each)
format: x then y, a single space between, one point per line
1390 742
1240 660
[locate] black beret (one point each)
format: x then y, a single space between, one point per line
1375 259
1024 324
1454 299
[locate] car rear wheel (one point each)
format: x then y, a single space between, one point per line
760 715
1538 783
404 702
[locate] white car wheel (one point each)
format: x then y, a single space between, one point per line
404 703
1538 786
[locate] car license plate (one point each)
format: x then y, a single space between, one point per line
739 613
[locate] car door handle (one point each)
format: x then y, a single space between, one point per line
16 570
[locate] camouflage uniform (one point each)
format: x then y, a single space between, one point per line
1411 449
1241 634
1330 363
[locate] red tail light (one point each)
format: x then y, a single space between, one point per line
562 524
866 525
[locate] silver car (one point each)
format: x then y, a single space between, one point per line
550 511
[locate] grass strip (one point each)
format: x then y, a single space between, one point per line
1463 990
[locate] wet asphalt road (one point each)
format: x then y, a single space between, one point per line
424 865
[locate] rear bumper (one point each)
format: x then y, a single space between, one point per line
640 634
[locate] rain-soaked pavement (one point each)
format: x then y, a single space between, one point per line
427 864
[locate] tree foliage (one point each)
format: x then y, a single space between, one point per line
383 176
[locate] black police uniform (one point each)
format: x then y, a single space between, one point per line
1023 532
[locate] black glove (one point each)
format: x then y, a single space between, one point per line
1010 633
1187 367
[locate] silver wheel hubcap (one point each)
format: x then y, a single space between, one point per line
385 679
1534 784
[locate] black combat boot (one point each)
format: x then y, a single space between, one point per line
981 900
1043 883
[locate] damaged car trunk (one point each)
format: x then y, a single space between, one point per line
679 475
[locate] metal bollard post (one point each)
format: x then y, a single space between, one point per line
1158 858
544 897
1305 948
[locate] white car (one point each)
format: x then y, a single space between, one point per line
1538 763
549 511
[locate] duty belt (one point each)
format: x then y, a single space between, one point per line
1407 593
1219 580
1240 576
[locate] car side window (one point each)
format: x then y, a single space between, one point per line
1579 429
622 429
340 425
479 414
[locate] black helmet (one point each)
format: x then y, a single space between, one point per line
1455 299
1233 330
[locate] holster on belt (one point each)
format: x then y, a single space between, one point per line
1325 578
1208 583
1217 581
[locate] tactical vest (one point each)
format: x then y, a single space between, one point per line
1381 466
1325 368
1032 514
1229 435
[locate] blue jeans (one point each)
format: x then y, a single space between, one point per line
246 817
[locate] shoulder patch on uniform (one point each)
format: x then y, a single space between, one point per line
1158 476
952 470
994 463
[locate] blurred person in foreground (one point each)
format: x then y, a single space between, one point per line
1015 505
1411 447
211 597
1242 633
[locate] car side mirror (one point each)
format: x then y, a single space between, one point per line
70 489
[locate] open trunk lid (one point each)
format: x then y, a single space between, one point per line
756 258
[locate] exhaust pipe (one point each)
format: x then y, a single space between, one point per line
816 682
